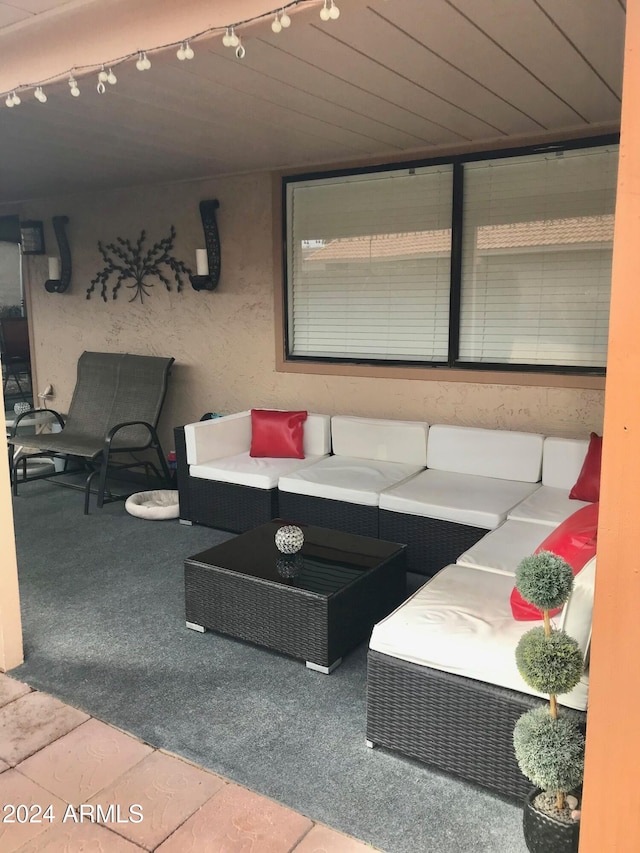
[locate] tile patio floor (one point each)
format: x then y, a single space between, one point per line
109 792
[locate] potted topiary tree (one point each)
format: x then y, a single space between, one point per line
549 740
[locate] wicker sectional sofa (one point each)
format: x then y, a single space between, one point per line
470 504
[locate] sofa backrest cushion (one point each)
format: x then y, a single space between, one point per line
317 435
383 440
230 435
578 611
562 460
502 454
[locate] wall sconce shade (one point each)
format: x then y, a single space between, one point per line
59 269
208 260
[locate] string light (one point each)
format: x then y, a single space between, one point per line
143 63
329 11
230 38
185 51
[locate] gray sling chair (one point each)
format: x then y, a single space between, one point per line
115 409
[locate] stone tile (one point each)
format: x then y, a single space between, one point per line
167 789
15 790
10 689
81 763
321 839
33 721
238 821
79 838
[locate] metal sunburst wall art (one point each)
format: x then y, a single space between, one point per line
131 265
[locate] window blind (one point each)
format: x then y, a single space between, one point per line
536 260
369 260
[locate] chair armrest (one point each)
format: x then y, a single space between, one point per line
14 429
218 438
114 429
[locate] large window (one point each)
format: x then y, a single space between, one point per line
501 263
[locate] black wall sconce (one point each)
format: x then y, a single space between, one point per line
59 268
208 260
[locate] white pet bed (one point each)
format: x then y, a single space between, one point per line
156 505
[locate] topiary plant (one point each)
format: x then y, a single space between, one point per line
548 741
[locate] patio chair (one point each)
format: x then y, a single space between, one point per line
114 410
16 359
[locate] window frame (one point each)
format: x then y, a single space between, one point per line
591 376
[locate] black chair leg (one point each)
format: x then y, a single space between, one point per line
102 482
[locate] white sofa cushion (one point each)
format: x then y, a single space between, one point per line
502 549
462 498
460 622
578 611
244 470
501 454
230 435
382 440
546 506
342 478
562 460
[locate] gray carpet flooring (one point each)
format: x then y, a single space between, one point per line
103 618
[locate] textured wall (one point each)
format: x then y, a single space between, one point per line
223 342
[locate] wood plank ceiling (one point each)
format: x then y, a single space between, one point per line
389 78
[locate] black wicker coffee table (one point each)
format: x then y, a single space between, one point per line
316 605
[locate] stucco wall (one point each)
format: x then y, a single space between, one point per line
223 342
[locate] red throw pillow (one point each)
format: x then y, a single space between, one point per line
277 434
587 487
575 541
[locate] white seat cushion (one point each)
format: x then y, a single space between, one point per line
460 622
343 478
244 470
502 549
547 505
462 498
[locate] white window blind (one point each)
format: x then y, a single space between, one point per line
369 259
536 262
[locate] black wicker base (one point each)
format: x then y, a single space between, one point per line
455 724
337 515
432 543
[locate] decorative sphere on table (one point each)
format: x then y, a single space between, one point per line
289 539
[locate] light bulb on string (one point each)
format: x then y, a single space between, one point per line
334 12
240 51
324 12
285 20
40 95
16 100
73 87
111 78
143 63
226 38
102 75
12 100
276 26
185 51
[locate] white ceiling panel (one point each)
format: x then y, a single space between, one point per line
384 79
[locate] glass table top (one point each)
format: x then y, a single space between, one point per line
329 561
